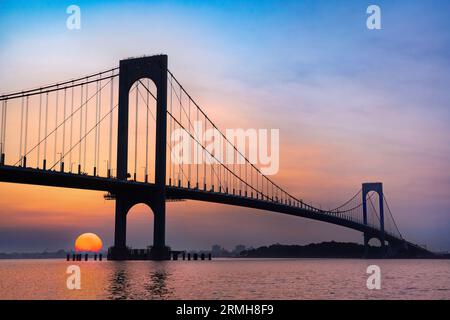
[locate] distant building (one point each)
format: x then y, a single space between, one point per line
238 249
218 251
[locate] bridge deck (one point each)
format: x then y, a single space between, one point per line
32 176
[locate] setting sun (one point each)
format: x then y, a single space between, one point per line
88 242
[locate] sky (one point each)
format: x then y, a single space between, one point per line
353 105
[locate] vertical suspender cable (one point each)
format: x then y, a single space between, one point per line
96 129
172 129
257 182
81 128
110 125
272 191
180 166
64 129
189 163
1 128
198 149
136 132
39 131
146 132
262 187
204 162
251 178
56 124
85 126
26 131
99 126
45 129
4 127
21 130
240 176
219 164
245 164
71 128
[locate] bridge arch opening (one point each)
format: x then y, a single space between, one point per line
373 208
142 131
140 221
374 242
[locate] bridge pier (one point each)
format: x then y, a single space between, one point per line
383 248
366 246
124 202
159 250
119 251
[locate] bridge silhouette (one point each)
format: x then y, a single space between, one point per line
88 112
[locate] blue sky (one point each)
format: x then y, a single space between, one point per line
352 104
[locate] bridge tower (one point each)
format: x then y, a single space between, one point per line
378 188
131 70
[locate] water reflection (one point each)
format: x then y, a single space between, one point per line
138 280
119 286
157 284
227 279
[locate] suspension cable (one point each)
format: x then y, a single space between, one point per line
347 202
86 134
234 147
154 119
51 132
392 217
54 87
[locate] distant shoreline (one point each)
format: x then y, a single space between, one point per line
60 254
324 250
332 250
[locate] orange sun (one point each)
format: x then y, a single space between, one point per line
88 242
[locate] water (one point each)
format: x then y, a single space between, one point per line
226 279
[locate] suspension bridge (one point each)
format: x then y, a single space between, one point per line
64 135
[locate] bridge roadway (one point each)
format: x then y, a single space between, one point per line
14 174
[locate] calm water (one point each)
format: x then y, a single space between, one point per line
226 279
